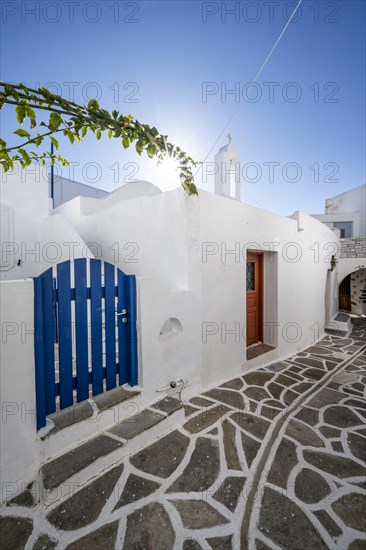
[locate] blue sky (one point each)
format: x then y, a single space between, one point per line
172 64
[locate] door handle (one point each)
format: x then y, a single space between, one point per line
123 312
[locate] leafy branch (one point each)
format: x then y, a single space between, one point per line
74 122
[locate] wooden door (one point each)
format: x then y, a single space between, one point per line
345 294
254 284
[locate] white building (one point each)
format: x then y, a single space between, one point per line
214 276
346 213
64 189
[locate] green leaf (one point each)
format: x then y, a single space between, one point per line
71 137
2 144
93 104
25 156
98 134
125 142
54 141
139 147
22 133
20 112
84 131
110 134
32 116
54 122
151 150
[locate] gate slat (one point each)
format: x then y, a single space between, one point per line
38 354
110 323
96 325
132 332
122 329
48 339
81 330
65 342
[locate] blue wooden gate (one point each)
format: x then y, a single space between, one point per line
85 333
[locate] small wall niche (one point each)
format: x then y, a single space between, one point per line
171 327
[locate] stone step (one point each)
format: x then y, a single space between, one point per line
77 467
129 428
79 412
58 470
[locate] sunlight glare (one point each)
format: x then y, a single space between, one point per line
167 176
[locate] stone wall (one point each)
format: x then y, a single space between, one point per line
358 286
353 248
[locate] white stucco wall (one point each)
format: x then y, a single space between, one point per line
188 254
349 206
350 265
295 278
183 244
64 190
352 200
20 449
33 238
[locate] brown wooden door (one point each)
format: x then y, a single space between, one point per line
345 294
254 276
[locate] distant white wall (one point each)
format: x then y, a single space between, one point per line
347 207
331 220
65 190
350 201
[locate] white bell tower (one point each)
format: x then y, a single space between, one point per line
227 177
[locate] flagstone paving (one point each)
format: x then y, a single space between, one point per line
274 459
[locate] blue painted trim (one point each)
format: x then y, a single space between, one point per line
38 354
48 339
65 335
132 335
110 326
81 330
96 325
122 303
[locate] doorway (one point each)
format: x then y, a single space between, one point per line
254 297
345 294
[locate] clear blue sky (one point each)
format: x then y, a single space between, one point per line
152 59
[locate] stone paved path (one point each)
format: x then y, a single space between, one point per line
272 460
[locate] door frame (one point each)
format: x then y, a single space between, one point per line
260 257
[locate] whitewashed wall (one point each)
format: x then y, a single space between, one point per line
347 207
295 280
19 450
33 238
183 244
188 254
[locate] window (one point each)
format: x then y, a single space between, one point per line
250 276
345 229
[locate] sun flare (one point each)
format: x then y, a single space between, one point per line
167 174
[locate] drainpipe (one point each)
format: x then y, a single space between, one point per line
52 178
